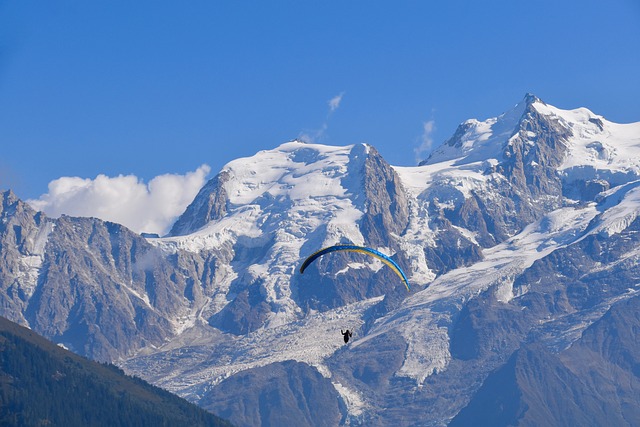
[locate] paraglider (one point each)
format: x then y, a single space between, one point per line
361 249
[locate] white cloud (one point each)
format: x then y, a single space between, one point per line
334 102
426 140
315 135
126 200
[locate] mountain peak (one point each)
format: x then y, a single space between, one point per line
476 140
10 203
530 99
282 176
9 196
514 117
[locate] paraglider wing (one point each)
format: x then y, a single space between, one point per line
361 249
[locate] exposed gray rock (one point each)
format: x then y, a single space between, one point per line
23 234
487 328
209 204
370 368
582 275
378 192
594 382
522 186
280 394
91 293
245 313
452 249
94 286
532 389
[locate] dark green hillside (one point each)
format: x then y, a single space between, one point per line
42 384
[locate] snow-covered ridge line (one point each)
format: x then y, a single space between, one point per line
597 148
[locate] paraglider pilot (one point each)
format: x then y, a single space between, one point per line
346 335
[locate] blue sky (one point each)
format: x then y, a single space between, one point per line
153 88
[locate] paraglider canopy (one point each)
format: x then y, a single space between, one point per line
361 249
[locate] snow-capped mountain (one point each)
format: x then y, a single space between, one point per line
518 235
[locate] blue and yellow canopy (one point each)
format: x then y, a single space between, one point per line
361 249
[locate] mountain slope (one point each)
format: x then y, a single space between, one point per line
42 384
281 394
597 376
94 286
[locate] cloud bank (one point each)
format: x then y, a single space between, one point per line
124 199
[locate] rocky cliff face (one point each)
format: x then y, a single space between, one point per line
593 382
287 393
93 296
209 205
380 196
94 286
23 235
518 235
518 154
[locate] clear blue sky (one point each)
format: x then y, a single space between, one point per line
156 87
